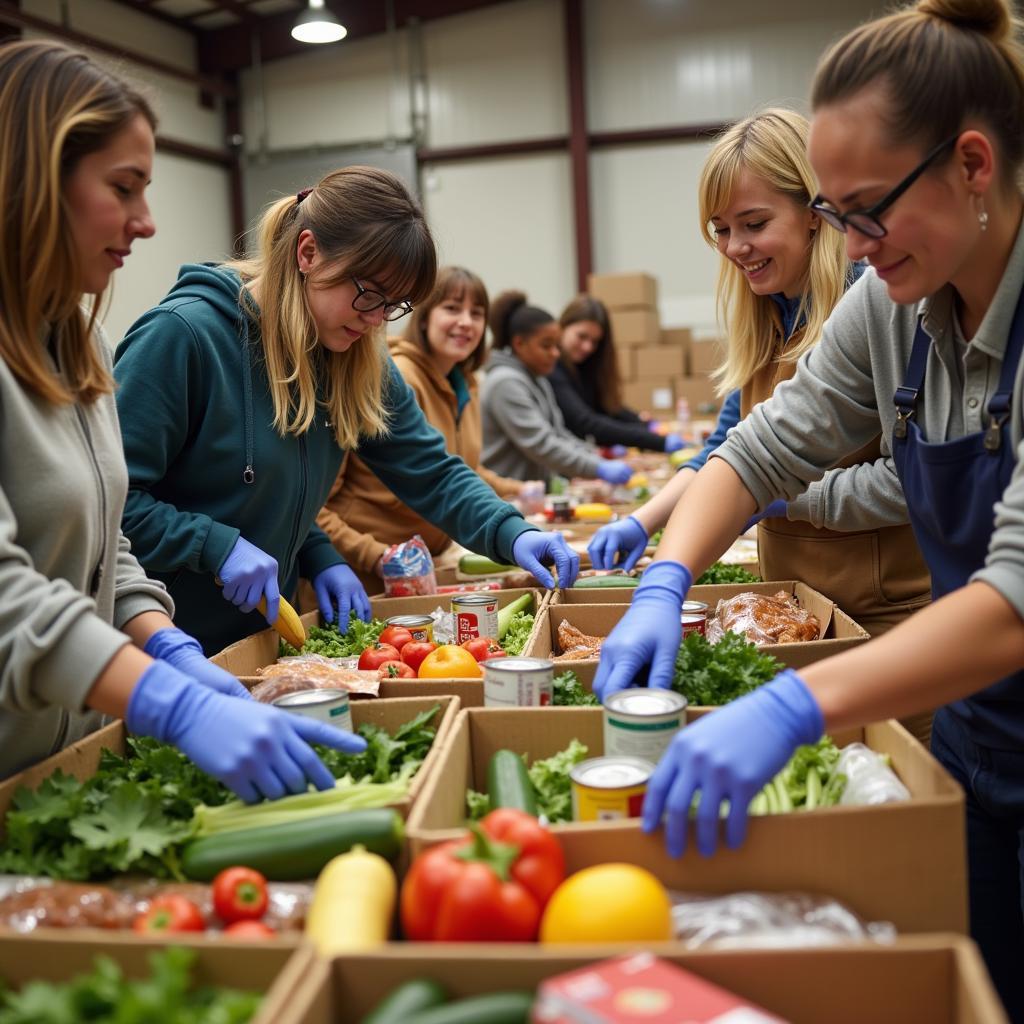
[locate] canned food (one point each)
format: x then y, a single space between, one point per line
641 722
694 618
605 788
559 509
517 682
475 615
328 705
421 626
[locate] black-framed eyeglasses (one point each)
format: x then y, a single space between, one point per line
367 300
867 221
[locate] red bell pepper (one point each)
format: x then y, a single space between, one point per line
491 886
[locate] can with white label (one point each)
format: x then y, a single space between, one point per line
475 615
606 788
694 618
517 682
328 705
641 722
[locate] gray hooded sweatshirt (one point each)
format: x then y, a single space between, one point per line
525 436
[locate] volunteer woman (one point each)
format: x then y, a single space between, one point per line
442 348
241 391
781 275
588 387
80 624
917 139
525 436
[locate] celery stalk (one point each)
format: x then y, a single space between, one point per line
785 801
813 788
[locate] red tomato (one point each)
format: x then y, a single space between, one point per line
414 652
397 636
491 655
239 894
170 914
482 647
373 657
255 930
395 670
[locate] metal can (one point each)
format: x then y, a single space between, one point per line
517 682
327 705
559 509
475 615
694 618
421 626
640 722
606 788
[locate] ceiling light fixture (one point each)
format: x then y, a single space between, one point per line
316 24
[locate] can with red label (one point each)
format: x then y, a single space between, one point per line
694 618
475 615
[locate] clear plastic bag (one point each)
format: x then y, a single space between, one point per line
314 672
408 569
768 920
869 779
764 619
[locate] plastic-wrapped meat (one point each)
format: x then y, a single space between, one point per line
764 619
575 645
312 672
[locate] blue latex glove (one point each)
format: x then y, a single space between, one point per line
729 755
613 472
648 634
249 574
627 537
673 442
182 651
776 508
533 547
338 587
618 451
254 749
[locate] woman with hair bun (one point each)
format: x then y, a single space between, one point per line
917 142
525 436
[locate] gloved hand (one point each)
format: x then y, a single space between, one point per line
254 749
673 442
182 651
337 586
618 451
729 755
654 425
649 632
531 548
776 508
627 536
613 472
249 574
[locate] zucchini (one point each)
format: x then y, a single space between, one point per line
481 565
598 582
298 850
410 998
497 1008
508 613
508 784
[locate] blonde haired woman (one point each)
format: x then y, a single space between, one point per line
241 391
781 273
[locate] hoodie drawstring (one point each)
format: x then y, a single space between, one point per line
249 473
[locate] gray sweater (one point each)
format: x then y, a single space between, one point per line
525 436
842 394
67 579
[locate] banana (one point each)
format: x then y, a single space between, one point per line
288 623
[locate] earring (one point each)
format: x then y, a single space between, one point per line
982 214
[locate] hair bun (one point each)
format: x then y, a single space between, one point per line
991 18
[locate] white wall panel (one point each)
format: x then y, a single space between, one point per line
497 74
510 221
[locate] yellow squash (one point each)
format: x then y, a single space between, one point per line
288 623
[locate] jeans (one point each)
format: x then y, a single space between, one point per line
993 784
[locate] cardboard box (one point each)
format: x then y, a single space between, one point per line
624 291
656 362
699 393
276 967
634 327
839 632
938 979
644 396
82 759
680 337
705 356
904 863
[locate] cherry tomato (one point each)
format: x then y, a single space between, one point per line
255 930
414 652
397 636
482 647
170 914
239 894
395 670
373 657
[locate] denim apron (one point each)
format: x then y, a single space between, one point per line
951 489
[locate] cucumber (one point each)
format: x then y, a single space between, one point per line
298 850
412 997
481 565
597 582
497 1008
508 784
506 614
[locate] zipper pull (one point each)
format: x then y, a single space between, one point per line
249 475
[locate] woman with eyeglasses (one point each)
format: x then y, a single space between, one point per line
240 393
917 141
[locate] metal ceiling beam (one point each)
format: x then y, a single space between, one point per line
144 7
231 6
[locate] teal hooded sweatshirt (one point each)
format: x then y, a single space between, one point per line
206 465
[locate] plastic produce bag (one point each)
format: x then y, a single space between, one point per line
869 779
408 569
314 672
